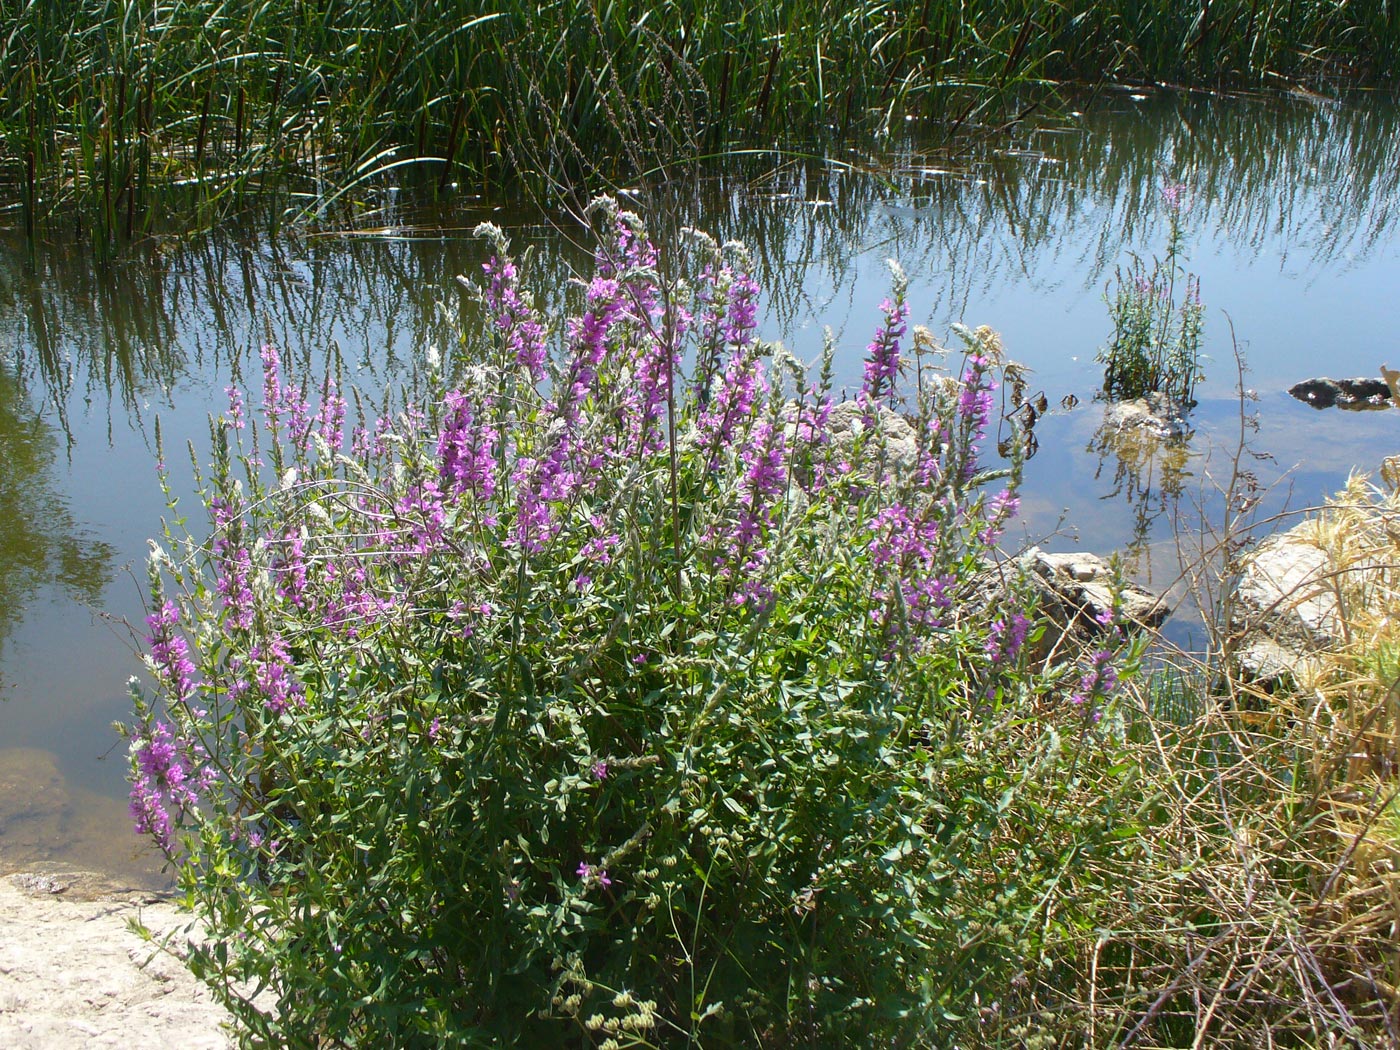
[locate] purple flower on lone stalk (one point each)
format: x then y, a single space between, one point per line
591 873
882 360
1173 193
974 410
235 406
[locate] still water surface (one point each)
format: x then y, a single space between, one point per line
1292 223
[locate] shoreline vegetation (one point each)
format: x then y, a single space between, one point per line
623 641
118 118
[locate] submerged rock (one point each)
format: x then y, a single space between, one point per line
35 806
1358 394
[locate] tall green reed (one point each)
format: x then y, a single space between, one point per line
135 111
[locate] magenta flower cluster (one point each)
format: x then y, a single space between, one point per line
167 778
1006 637
882 356
1096 684
170 653
521 328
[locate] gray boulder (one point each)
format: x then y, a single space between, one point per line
896 451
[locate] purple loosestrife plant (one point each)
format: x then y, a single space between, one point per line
1156 339
402 664
882 356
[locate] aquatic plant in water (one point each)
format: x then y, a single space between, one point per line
585 698
1156 336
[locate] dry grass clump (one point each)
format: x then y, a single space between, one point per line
1349 717
1224 930
1261 906
1279 896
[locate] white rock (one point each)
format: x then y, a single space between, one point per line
1284 608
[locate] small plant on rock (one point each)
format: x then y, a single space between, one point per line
1156 338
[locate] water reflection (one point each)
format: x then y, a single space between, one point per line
42 546
1311 184
1147 471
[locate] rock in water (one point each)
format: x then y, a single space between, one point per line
1156 413
1356 394
1075 593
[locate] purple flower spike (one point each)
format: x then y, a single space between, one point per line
169 651
882 362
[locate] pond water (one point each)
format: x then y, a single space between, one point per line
1292 221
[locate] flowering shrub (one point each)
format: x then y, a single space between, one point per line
594 700
1156 340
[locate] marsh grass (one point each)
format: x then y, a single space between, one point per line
1346 716
149 114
